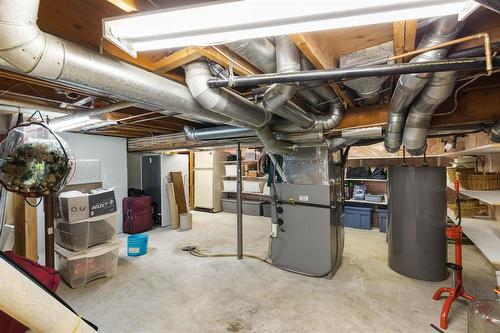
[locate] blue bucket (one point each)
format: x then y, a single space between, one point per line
137 245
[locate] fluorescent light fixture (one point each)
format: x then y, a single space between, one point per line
226 21
74 123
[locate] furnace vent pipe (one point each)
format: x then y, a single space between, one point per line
26 49
439 88
409 85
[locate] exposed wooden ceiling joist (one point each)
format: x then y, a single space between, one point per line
175 60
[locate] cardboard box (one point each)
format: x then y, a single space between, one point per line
78 206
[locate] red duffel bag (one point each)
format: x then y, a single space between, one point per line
46 276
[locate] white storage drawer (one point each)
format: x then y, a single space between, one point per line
79 268
79 236
230 170
253 186
229 185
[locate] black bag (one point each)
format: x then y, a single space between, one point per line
231 157
358 172
379 173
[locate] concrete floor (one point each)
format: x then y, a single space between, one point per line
171 291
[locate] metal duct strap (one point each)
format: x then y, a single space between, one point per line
410 85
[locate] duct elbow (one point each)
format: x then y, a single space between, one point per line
333 118
270 143
495 132
190 134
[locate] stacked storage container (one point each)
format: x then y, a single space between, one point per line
85 235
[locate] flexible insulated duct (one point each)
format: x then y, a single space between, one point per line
495 132
439 88
25 48
410 85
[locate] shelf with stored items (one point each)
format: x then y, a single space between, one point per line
374 181
488 197
484 233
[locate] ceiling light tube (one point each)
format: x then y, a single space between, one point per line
222 22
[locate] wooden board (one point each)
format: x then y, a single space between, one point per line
180 197
172 204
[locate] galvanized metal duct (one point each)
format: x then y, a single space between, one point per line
216 133
277 97
409 85
495 132
439 88
221 101
261 53
231 105
25 48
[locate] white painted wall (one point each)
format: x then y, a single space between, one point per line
112 152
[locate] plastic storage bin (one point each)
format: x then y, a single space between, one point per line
266 209
382 219
250 207
253 208
228 205
230 170
137 245
374 197
358 217
229 185
79 268
79 236
253 186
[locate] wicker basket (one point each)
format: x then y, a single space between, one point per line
479 181
469 208
452 172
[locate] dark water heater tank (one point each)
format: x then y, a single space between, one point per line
417 222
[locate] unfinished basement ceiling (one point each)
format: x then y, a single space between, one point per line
323 49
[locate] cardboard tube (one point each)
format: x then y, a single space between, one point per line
29 304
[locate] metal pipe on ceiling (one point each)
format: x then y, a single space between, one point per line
340 73
216 133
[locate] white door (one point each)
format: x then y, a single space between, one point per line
203 188
203 159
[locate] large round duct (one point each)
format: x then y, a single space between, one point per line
417 222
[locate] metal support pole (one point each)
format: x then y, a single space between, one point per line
239 205
49 207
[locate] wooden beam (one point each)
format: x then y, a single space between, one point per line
175 60
25 231
410 35
321 56
365 116
226 58
141 61
126 5
474 107
404 37
399 38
